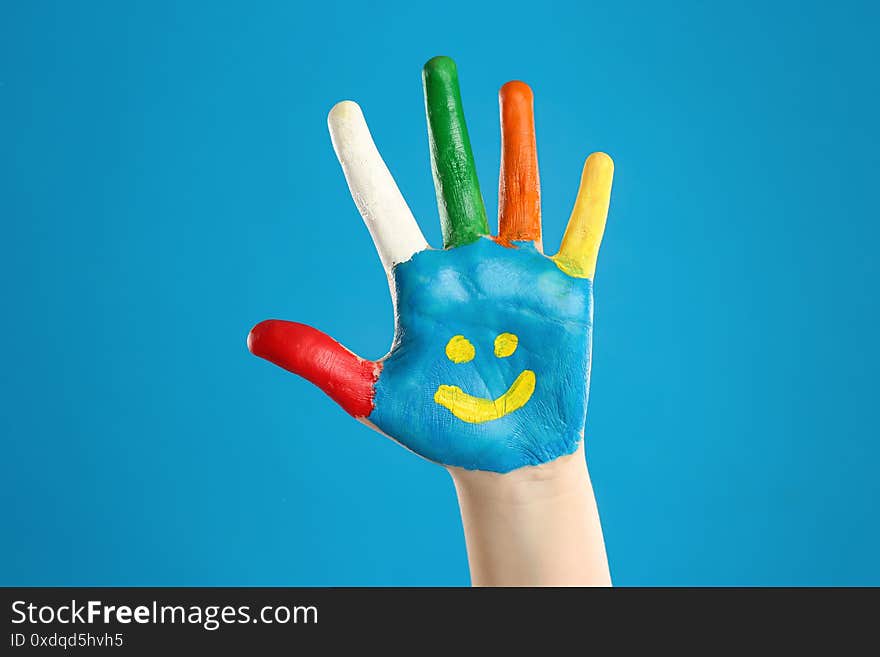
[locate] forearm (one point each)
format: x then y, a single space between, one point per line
537 526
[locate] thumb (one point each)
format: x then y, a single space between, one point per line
346 378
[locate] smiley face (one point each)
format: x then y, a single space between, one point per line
476 410
490 364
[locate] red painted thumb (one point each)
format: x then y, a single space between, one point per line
315 356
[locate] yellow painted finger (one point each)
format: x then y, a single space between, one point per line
580 244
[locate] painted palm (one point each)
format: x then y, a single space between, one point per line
489 367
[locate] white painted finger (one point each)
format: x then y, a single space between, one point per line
395 232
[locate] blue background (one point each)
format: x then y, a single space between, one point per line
166 181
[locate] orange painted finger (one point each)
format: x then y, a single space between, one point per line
519 187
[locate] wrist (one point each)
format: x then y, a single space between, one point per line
536 526
530 485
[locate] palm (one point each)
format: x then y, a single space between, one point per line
519 329
489 368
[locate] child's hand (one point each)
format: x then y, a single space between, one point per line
490 364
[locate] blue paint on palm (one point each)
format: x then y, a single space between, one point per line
480 291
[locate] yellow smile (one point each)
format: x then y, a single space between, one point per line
479 409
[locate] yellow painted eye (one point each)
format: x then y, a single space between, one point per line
459 349
505 345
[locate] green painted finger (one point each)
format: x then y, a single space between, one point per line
462 213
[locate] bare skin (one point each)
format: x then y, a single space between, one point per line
536 526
